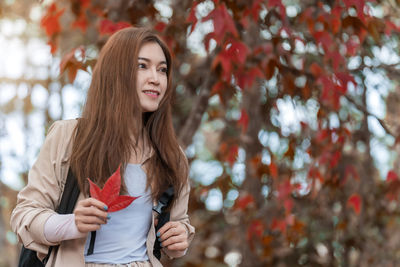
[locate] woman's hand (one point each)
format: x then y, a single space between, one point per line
174 237
90 214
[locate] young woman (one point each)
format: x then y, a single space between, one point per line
126 122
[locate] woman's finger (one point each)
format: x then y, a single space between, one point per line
173 233
90 220
167 227
85 228
173 240
94 202
93 211
90 207
178 246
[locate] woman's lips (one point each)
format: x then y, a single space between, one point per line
151 93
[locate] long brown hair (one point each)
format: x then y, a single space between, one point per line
112 119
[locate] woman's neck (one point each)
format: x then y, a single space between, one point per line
141 151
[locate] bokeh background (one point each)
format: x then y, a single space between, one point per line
287 110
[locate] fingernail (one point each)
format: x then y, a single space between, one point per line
105 207
161 245
158 234
108 217
159 239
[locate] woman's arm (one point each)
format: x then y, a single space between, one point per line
88 216
37 201
34 217
61 227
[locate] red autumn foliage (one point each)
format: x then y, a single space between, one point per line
71 64
264 52
392 176
278 225
233 53
192 19
109 195
109 27
223 23
244 120
273 169
81 23
243 202
246 79
355 202
351 172
50 22
255 229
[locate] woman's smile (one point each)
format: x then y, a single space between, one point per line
151 93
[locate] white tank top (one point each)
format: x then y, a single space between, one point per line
123 238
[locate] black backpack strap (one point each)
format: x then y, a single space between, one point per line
163 216
91 244
70 194
67 203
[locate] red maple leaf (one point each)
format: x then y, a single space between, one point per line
81 22
50 21
325 39
335 159
255 229
223 23
109 27
330 92
316 70
245 79
244 201
53 43
85 3
279 225
72 64
284 190
359 5
109 195
160 26
232 154
391 176
192 16
255 9
355 202
273 169
217 88
234 52
345 79
352 46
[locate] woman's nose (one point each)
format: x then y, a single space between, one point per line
154 76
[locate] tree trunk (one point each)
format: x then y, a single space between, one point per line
252 184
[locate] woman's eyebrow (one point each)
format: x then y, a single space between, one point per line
148 60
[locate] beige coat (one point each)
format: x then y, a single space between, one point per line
41 196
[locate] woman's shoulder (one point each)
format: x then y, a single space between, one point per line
65 124
59 140
62 127
60 136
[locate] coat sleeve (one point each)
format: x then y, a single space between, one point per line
37 201
179 212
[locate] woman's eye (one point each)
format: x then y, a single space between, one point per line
142 66
164 70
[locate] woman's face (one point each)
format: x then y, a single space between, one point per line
151 80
